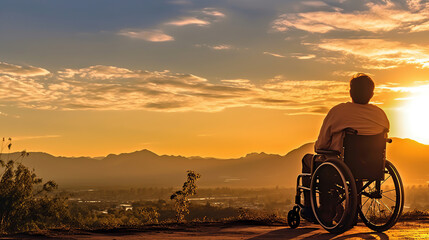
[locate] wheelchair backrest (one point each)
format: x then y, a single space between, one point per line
365 155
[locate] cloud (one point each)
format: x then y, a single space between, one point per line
379 53
202 17
348 74
416 88
378 17
222 47
315 3
20 138
421 28
217 47
274 54
213 12
155 35
23 71
188 21
99 72
318 110
238 82
415 5
304 56
113 88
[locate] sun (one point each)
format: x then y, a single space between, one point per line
416 117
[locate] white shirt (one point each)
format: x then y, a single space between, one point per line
367 119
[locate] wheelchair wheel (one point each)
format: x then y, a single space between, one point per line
293 219
380 210
333 196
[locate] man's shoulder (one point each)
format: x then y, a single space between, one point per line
354 107
374 107
341 106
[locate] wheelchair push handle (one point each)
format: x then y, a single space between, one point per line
352 131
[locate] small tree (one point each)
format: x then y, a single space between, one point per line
22 203
181 197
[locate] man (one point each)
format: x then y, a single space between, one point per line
366 118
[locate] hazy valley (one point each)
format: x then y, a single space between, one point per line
147 169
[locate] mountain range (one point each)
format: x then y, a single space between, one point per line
147 169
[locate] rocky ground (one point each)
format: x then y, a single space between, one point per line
402 230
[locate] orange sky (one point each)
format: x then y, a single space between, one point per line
218 78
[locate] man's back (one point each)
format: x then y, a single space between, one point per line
367 119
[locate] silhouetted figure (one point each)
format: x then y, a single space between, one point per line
366 118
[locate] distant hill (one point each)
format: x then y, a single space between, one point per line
147 169
411 159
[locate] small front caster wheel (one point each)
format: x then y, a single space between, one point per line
293 219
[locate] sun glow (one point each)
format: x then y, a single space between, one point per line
416 116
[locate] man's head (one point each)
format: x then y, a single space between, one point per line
361 88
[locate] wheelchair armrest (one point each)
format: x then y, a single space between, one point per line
351 131
327 152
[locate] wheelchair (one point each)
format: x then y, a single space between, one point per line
357 182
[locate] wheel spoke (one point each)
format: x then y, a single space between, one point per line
369 206
380 214
379 209
385 180
389 198
390 210
365 202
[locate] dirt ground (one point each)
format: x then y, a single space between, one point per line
402 230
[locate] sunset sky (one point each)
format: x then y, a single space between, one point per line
219 78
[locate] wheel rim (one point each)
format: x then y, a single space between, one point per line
293 219
338 194
381 212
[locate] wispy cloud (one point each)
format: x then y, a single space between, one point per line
379 53
213 12
238 82
21 138
113 88
348 74
222 47
301 56
98 72
274 54
315 3
416 5
152 35
217 47
203 17
379 17
188 21
24 71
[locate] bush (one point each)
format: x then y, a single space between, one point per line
24 200
181 197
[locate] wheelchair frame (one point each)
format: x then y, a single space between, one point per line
355 204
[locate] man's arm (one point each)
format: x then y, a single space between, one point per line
325 134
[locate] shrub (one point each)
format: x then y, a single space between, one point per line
181 197
24 202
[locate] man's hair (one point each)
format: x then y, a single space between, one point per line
361 88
